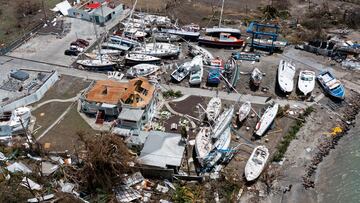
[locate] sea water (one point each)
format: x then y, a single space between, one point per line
339 174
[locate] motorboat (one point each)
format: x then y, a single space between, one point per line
214 76
213 108
165 37
331 85
197 50
14 121
285 77
134 59
115 46
306 82
244 111
266 119
222 122
221 37
141 70
107 52
181 71
256 163
256 77
196 71
184 34
161 50
97 64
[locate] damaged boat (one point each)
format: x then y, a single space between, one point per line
133 59
331 85
244 111
266 119
13 122
285 77
306 83
141 70
256 77
213 108
256 163
161 50
196 71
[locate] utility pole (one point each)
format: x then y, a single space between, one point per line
44 10
221 14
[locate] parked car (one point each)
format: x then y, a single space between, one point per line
82 41
69 52
78 44
77 48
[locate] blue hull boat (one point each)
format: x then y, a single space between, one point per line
331 85
214 76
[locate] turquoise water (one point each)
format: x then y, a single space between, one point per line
339 174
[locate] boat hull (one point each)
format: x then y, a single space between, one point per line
222 44
337 92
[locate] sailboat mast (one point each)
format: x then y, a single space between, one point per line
97 38
221 14
130 17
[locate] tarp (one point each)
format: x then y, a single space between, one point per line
62 7
93 5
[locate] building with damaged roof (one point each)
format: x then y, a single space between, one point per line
132 103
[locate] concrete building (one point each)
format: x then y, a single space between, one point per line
162 150
99 11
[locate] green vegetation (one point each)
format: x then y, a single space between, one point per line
285 142
183 195
172 94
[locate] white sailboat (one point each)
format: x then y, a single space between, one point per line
12 120
222 122
306 83
197 50
181 72
97 64
197 70
256 77
256 163
244 111
266 119
213 108
140 58
161 50
141 70
203 144
107 52
222 143
286 74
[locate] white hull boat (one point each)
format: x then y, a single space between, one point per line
286 74
197 50
213 108
181 72
221 144
222 122
98 64
197 71
107 51
256 163
256 77
165 37
12 120
306 83
203 144
141 70
161 50
141 58
244 111
114 46
266 120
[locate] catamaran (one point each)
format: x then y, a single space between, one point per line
256 163
286 74
266 119
306 82
213 108
244 111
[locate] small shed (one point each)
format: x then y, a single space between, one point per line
19 75
162 150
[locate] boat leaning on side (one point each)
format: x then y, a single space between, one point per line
266 119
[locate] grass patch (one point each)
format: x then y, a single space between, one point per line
172 94
285 142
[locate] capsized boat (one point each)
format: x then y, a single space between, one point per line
141 70
97 64
140 58
286 74
181 72
196 71
266 119
244 111
306 83
256 163
14 120
197 50
331 85
161 50
165 37
222 122
213 108
256 77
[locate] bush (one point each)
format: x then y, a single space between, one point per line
172 93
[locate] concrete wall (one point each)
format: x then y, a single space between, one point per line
81 14
35 96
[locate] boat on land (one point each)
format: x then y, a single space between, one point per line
124 41
222 122
165 37
214 76
97 64
181 71
331 85
213 108
203 144
161 50
266 119
196 71
188 35
256 77
141 70
107 52
140 58
14 121
306 83
244 111
256 163
197 50
221 40
286 74
114 46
